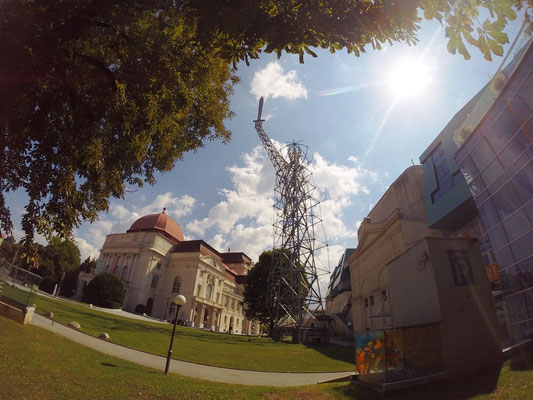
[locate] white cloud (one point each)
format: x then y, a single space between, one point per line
242 219
273 82
86 249
175 206
250 199
120 217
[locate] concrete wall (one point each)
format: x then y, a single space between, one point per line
470 338
413 290
426 292
395 224
16 311
405 194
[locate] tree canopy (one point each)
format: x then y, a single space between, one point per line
98 96
104 290
257 304
60 259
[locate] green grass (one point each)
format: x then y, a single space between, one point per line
19 295
232 351
37 364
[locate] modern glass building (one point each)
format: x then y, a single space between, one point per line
495 156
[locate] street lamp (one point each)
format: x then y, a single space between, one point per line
179 300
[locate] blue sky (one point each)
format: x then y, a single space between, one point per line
341 107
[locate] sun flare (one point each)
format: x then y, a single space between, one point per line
409 78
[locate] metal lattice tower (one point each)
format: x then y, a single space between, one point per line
293 279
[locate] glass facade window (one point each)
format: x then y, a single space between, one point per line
445 178
497 162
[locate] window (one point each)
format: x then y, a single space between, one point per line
176 285
124 272
199 290
445 178
372 300
155 281
209 292
217 297
366 302
384 295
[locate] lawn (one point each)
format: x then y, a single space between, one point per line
233 351
37 364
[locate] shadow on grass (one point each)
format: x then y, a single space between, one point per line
459 389
109 365
336 352
522 359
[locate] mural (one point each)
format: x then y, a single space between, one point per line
401 353
373 353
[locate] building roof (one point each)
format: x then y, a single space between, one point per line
199 246
159 222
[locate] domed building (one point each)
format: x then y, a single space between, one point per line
156 263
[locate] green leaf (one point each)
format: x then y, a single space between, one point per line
484 47
495 47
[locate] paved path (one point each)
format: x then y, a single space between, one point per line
184 368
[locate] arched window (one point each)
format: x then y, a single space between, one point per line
176 285
155 281
209 292
124 272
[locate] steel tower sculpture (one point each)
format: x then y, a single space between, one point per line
294 278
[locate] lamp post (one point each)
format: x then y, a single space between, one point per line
179 300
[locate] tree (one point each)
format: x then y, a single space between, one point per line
59 259
10 249
297 26
98 96
257 304
88 265
104 290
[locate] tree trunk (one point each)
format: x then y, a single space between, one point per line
60 283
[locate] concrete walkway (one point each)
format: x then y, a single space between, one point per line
216 374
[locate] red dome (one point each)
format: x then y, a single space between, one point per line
159 222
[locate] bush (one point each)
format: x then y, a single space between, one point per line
48 284
105 290
114 305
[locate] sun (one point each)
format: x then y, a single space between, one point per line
409 78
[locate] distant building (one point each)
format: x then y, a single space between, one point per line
156 264
339 298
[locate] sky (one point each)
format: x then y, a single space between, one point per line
360 132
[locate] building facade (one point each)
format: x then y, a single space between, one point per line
156 264
451 207
339 298
396 223
495 154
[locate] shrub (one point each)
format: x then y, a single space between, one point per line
105 290
114 305
48 284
